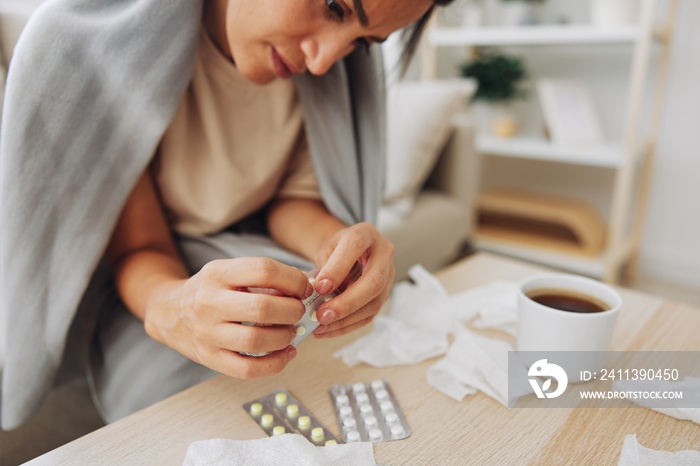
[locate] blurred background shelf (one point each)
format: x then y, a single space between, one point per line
532 35
534 148
641 48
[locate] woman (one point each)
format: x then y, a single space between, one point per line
170 202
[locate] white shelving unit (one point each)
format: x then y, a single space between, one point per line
631 158
531 35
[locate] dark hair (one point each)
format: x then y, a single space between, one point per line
412 34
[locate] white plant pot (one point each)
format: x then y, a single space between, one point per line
613 13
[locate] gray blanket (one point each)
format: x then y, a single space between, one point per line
91 89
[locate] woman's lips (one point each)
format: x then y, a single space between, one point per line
282 68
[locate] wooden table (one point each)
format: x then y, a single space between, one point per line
477 430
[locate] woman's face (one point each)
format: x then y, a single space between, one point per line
269 39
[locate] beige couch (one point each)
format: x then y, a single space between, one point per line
436 230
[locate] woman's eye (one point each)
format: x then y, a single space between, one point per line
335 9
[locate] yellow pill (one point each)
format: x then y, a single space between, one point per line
312 280
304 422
331 442
266 420
317 433
256 409
313 316
281 398
292 410
301 330
278 430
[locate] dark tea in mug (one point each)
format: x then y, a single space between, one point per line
569 301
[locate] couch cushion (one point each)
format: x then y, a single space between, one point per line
432 234
418 125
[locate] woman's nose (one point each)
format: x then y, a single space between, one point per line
320 52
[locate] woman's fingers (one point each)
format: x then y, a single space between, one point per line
361 246
240 366
223 305
364 314
257 272
251 339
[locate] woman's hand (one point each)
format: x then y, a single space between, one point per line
358 260
201 317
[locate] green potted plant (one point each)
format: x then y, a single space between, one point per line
499 78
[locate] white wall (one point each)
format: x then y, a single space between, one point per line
671 248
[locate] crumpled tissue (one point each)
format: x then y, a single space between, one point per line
422 316
633 454
287 449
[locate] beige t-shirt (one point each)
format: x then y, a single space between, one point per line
231 148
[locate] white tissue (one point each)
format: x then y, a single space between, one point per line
415 329
633 454
690 387
287 449
472 363
392 342
421 317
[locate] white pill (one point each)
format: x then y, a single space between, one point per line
392 418
349 423
358 387
314 317
370 421
386 406
381 394
353 436
342 400
377 384
345 411
366 409
375 434
312 280
396 431
301 330
362 398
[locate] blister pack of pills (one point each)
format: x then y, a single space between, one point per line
281 413
368 412
309 320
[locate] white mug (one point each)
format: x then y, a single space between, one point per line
546 329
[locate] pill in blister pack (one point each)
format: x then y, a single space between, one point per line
281 413
368 412
309 321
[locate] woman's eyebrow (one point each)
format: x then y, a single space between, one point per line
364 21
360 12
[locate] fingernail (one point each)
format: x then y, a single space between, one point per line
309 290
324 286
320 330
328 316
292 353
